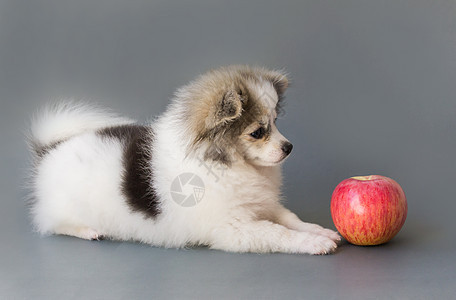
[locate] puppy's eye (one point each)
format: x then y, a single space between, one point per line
258 134
275 120
240 92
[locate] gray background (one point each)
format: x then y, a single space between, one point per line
373 93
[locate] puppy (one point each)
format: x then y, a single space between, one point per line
206 172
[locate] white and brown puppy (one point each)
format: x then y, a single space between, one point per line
206 172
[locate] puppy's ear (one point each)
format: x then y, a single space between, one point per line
227 109
279 81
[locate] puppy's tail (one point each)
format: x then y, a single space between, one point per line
61 121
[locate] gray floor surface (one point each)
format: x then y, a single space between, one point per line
373 93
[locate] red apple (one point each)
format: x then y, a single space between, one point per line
368 210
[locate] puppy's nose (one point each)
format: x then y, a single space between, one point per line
287 147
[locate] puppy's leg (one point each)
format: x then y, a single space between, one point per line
81 232
264 236
285 217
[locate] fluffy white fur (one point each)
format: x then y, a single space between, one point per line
76 189
60 121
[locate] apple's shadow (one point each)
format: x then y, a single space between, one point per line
412 235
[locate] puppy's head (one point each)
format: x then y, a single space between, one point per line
231 115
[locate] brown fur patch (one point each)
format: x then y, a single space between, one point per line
41 151
137 178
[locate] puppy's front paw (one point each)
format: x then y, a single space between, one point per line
318 245
330 234
317 229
